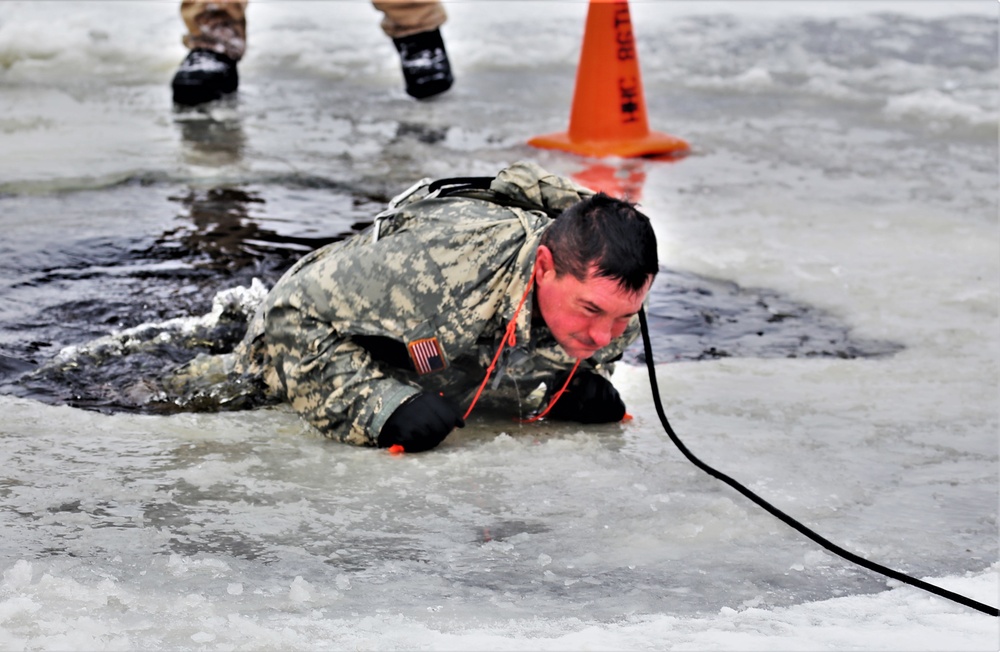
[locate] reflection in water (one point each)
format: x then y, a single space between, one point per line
420 132
219 232
211 135
623 180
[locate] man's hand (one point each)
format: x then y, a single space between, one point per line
588 399
421 423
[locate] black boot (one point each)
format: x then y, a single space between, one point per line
426 69
204 76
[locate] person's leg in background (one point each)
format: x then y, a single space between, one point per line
217 39
414 28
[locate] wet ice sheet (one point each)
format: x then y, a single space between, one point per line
249 530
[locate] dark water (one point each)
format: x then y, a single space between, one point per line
194 242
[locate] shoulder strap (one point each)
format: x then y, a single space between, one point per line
479 188
456 185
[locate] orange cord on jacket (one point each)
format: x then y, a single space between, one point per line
509 338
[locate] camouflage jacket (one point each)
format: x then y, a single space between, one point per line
419 301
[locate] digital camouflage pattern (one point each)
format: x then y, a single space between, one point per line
331 337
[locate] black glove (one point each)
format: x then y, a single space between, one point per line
588 399
421 423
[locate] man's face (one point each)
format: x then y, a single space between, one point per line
584 316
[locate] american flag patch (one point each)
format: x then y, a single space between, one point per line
427 355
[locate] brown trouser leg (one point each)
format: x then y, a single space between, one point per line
221 25
217 25
406 18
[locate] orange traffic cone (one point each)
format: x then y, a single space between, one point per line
609 109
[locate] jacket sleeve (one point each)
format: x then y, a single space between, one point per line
331 381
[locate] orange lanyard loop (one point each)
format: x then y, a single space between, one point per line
510 338
555 397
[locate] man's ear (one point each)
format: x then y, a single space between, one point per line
545 266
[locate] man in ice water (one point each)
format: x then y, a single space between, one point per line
454 295
217 39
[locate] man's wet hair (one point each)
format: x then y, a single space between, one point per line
607 232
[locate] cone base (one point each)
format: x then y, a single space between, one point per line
652 144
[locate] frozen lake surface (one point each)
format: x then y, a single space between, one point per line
826 328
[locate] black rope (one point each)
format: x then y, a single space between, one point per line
480 188
788 520
460 184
